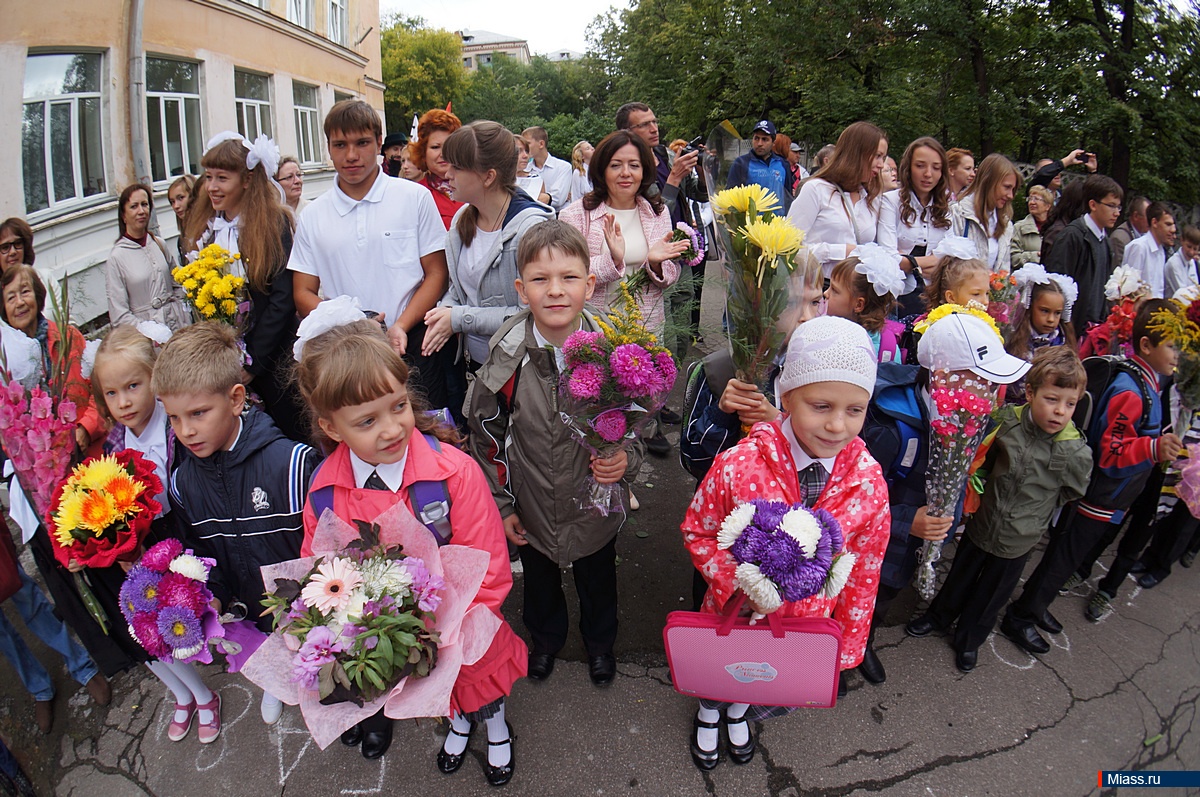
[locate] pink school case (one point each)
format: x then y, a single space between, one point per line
776 662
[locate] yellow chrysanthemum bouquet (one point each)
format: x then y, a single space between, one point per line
213 291
760 250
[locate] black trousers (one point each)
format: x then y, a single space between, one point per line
977 588
1139 526
429 374
545 604
1178 532
1069 545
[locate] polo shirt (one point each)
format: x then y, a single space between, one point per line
370 248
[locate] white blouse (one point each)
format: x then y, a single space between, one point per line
833 219
893 234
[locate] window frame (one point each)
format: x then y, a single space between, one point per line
308 119
242 105
163 98
338 26
302 13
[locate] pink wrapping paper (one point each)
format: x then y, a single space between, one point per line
1188 489
465 635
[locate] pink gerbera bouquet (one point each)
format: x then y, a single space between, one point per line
166 602
612 384
359 622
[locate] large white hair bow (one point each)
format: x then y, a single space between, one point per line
956 246
263 150
329 314
1070 293
881 268
1027 276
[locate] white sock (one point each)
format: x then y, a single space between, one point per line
497 731
706 738
270 708
455 744
739 732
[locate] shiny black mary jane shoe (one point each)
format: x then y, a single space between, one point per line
499 776
449 763
705 760
740 754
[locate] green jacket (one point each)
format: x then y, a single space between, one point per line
1029 473
1026 246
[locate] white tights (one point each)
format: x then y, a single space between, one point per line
497 731
185 684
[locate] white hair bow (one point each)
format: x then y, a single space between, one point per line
956 246
881 268
158 332
1027 276
221 138
263 150
1070 293
329 314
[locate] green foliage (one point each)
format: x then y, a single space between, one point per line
422 69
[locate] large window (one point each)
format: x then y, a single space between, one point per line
173 117
339 22
300 12
62 153
253 93
308 142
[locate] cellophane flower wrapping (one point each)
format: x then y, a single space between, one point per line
215 293
38 434
102 511
612 383
785 552
1002 300
463 632
1188 488
963 402
167 603
760 251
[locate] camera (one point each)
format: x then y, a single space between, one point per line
692 146
1084 158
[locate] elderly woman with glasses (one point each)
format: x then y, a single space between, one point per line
292 179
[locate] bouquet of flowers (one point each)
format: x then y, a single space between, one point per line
359 622
39 439
214 292
1002 298
694 254
461 630
612 384
1125 290
101 512
785 552
167 603
1182 327
760 249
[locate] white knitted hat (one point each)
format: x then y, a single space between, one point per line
828 349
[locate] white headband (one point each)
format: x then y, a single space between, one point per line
956 246
881 268
327 315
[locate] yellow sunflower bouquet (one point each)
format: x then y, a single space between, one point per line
760 256
214 292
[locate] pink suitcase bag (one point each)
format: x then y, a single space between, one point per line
776 662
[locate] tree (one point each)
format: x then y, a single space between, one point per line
422 69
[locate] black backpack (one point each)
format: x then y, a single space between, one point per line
1101 372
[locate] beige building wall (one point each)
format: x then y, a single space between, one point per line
221 35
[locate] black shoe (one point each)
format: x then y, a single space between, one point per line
842 684
920 626
498 776
871 667
541 665
740 754
1049 623
1025 637
376 743
1138 567
450 762
965 660
670 416
602 669
354 736
658 445
705 760
1187 559
1149 580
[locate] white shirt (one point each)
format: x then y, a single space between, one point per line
993 245
1178 274
637 249
473 261
556 175
391 473
531 185
153 445
370 248
559 358
1148 258
224 233
1093 226
831 223
799 455
580 184
896 236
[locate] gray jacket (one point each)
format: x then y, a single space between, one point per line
139 285
497 295
964 223
533 464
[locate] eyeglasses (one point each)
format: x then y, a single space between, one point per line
644 125
8 246
296 176
1111 206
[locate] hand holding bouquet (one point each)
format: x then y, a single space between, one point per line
694 254
167 603
214 292
785 552
612 384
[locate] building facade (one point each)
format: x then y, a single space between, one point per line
478 47
112 92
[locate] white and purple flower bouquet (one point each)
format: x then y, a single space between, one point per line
785 552
359 622
694 254
168 606
612 384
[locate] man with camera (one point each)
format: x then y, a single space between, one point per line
762 166
1049 173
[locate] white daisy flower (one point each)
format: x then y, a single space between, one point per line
735 523
839 574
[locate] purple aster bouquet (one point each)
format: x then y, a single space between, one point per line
360 621
168 606
612 384
785 552
694 254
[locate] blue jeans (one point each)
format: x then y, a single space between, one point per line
39 618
